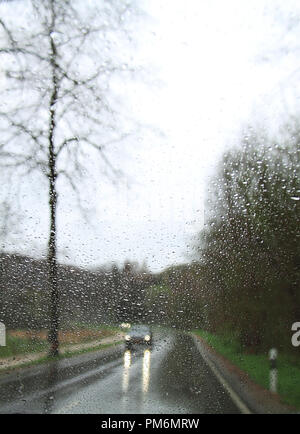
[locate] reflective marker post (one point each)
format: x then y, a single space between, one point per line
273 353
2 335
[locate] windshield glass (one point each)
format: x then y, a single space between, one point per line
139 329
149 206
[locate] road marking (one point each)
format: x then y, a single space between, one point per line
234 396
65 383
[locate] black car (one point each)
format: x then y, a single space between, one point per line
138 334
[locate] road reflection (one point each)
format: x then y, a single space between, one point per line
51 381
126 370
127 364
146 370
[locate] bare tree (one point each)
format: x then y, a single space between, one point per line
57 112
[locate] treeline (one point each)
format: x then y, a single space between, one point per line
245 277
174 300
111 294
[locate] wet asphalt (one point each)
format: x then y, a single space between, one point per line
168 377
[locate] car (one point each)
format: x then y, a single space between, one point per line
138 334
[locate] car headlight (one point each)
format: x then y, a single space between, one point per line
127 337
147 338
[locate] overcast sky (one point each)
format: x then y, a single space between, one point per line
213 66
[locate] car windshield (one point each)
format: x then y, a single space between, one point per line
139 329
149 208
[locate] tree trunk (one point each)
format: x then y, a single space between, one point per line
52 272
52 263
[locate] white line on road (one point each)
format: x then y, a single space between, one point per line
235 398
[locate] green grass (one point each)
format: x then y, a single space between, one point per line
257 366
17 346
21 346
68 354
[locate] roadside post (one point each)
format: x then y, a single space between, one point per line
273 354
2 335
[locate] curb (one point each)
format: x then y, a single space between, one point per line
248 396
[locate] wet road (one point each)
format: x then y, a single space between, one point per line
170 377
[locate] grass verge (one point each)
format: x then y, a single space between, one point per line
257 366
23 342
67 354
21 345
